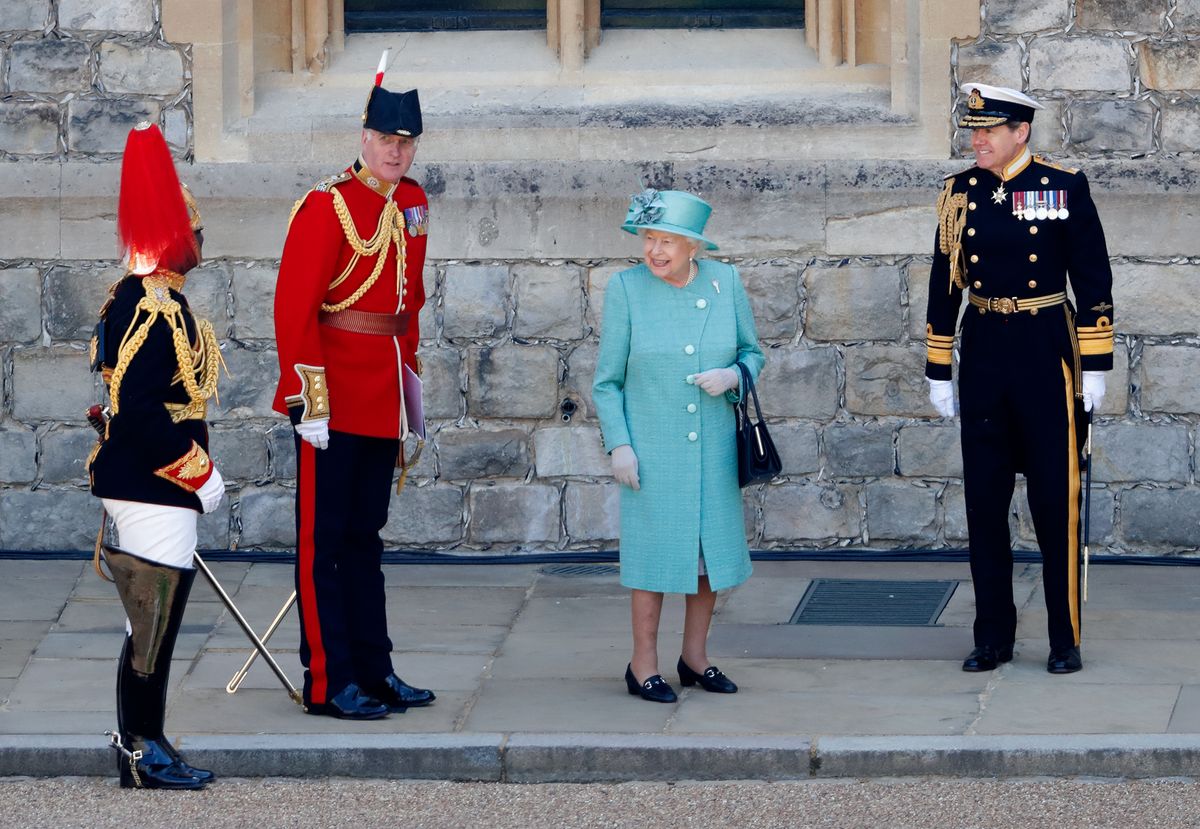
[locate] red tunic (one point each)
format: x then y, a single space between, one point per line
361 373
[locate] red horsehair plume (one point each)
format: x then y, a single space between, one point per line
152 218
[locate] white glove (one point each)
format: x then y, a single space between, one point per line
717 381
315 432
941 395
625 466
1093 390
212 492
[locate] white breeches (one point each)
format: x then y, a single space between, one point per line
159 533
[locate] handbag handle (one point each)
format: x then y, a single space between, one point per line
748 386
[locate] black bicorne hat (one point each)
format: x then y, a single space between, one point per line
393 113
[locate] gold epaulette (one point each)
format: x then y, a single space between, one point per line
322 186
1046 162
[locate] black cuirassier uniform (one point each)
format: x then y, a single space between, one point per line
1013 241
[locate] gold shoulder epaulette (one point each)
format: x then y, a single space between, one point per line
322 186
1047 162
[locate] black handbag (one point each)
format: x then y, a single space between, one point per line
758 462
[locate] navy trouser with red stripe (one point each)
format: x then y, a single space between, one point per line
342 497
1020 414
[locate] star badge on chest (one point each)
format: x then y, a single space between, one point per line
999 196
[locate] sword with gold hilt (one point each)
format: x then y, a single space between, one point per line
1087 504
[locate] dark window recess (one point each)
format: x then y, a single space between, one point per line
701 14
427 16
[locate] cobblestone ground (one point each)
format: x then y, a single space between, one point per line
1064 804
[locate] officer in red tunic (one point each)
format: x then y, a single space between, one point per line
346 303
1013 231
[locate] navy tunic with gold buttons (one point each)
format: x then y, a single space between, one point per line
1014 241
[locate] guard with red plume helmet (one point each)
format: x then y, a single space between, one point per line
347 302
151 467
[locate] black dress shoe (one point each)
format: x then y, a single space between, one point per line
986 658
710 680
398 695
654 689
1064 661
351 703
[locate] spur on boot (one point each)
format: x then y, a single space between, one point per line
146 764
654 689
711 679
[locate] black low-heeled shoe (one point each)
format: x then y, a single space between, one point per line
654 689
711 679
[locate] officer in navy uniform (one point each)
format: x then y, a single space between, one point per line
346 322
1012 231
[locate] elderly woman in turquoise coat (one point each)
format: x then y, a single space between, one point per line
666 383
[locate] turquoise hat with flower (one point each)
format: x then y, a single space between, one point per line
671 211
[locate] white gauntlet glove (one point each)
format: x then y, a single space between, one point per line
1094 387
211 493
315 432
625 466
717 381
941 395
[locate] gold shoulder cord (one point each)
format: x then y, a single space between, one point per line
198 366
952 219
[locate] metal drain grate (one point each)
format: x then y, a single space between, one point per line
873 602
575 571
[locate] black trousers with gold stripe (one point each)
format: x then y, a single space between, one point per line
1019 414
342 498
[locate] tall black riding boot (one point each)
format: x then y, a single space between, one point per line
154 596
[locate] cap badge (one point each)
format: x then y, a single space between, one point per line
975 101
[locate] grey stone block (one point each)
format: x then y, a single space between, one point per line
29 128
1169 65
1017 17
48 519
918 298
991 62
581 371
253 289
20 304
597 281
49 66
1118 15
18 455
853 451
442 382
239 452
249 387
207 292
774 293
268 517
1116 399
901 511
512 381
1127 126
1181 126
887 380
593 758
142 70
1049 135
73 300
1087 62
811 512
425 515
592 511
800 382
1102 519
853 303
1187 16
103 126
212 528
1146 298
51 384
97 15
1161 517
569 450
282 447
465 454
64 450
27 15
954 515
1140 452
798 446
1166 377
514 513
476 301
548 302
175 129
930 450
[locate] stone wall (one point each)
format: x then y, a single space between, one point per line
835 256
